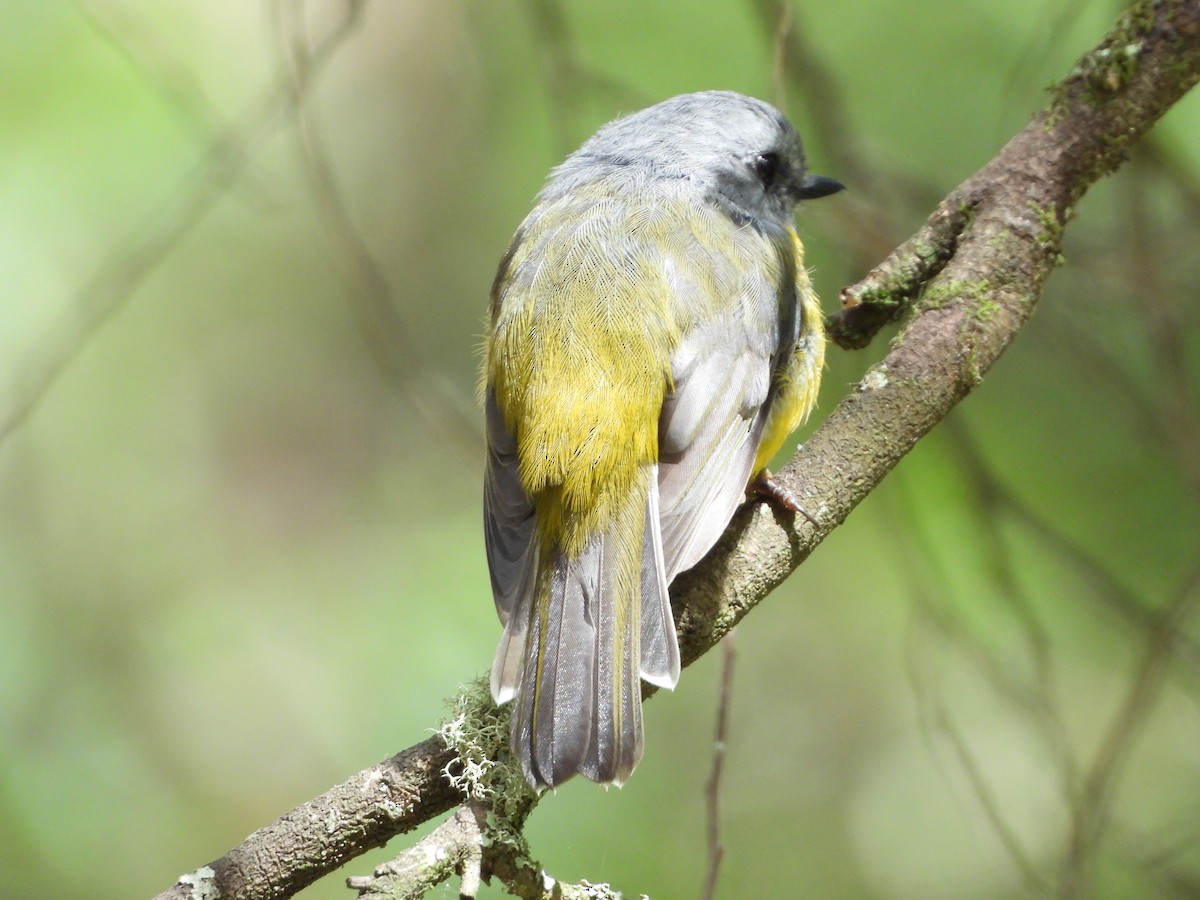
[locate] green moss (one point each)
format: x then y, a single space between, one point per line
1108 69
885 298
973 372
986 310
1099 75
477 732
942 294
1047 217
966 217
1052 224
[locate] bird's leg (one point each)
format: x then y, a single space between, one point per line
763 485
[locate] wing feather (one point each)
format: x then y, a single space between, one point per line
709 434
659 646
512 550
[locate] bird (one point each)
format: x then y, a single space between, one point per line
652 339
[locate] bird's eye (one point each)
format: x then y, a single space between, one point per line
766 167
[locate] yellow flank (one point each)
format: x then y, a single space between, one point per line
579 348
801 380
580 363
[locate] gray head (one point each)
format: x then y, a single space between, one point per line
741 152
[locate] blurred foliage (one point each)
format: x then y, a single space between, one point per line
240 554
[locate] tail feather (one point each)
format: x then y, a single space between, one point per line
616 740
599 623
559 674
506 668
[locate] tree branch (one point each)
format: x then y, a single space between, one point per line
316 837
977 266
1110 99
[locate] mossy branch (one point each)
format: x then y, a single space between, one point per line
969 280
1112 96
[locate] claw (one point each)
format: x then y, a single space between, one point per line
763 485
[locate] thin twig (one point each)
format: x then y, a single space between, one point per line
781 44
927 580
991 502
1177 404
1035 881
1090 815
132 38
880 204
569 81
383 329
116 280
716 850
442 853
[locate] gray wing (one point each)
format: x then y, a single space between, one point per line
709 433
511 542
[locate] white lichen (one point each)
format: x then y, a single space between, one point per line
202 884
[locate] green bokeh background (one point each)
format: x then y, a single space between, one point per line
239 564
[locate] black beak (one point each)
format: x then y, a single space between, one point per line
815 186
